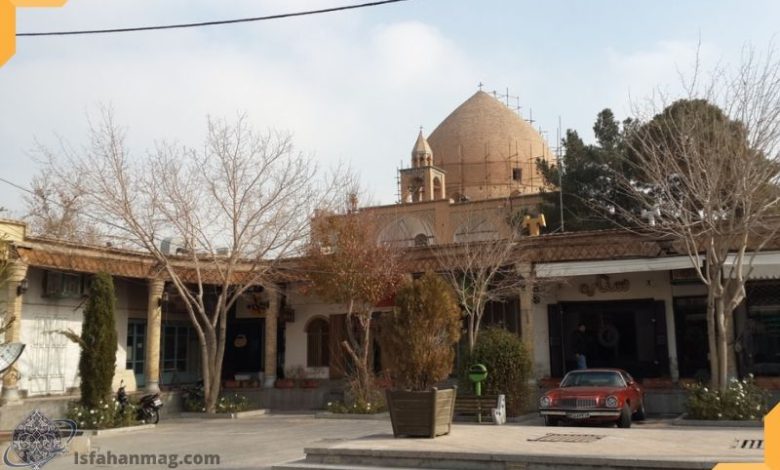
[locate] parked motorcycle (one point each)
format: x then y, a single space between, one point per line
149 411
148 407
193 396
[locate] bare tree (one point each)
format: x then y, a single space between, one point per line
56 211
346 265
481 263
233 208
706 175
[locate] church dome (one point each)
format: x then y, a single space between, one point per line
487 150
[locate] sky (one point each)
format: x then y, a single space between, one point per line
351 87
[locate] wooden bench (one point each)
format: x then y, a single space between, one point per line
493 406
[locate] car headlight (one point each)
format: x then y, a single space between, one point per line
611 402
545 402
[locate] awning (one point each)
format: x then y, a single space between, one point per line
584 268
765 265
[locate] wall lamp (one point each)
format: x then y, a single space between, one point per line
163 299
22 287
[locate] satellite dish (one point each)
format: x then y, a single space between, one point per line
9 353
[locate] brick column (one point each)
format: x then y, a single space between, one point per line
152 349
271 318
13 306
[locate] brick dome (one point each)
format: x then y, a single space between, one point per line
487 150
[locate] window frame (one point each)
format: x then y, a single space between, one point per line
317 342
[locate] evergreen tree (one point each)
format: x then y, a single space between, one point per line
587 177
98 342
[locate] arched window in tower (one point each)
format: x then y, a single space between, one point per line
438 191
416 188
318 343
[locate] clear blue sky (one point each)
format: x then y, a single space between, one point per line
352 86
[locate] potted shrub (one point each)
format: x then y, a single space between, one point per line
290 378
418 340
310 383
284 383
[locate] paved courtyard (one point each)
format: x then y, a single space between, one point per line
265 441
250 443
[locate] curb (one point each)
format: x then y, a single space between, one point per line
682 421
122 430
239 415
365 417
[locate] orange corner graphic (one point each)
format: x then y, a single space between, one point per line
8 23
771 446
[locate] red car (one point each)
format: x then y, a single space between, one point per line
594 395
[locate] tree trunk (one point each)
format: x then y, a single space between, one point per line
722 345
711 340
472 333
358 347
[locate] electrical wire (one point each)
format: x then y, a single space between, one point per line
211 23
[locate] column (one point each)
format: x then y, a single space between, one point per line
271 319
152 349
527 332
13 296
527 306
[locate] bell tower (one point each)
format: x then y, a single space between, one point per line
422 181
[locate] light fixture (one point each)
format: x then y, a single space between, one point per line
163 299
22 287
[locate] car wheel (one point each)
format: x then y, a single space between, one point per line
640 412
625 417
550 421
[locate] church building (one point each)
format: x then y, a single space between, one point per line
641 303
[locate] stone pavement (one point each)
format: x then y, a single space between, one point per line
266 441
487 446
251 443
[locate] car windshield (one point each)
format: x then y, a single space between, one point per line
593 379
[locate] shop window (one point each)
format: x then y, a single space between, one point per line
58 284
763 328
317 343
503 315
690 320
175 343
136 333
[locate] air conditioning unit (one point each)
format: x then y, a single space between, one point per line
172 246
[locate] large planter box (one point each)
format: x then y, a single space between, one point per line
421 414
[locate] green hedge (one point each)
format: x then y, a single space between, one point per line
508 364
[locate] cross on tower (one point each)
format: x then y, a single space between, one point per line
480 86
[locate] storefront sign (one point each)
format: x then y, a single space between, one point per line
604 285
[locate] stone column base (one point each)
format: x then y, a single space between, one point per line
152 387
269 381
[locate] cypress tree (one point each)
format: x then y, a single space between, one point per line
98 342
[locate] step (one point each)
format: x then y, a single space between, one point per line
304 465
